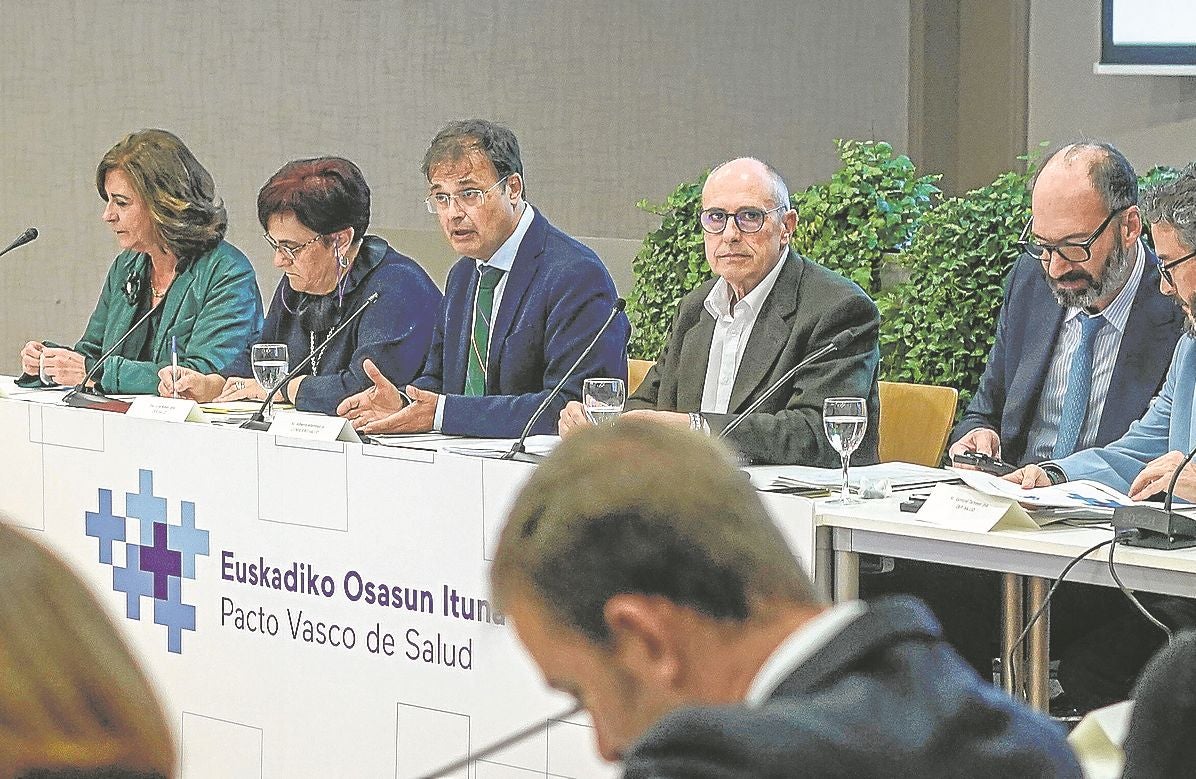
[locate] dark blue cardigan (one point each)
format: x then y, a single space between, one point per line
394 332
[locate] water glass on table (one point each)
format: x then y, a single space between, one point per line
270 365
602 400
845 420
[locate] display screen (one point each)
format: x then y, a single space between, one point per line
1148 32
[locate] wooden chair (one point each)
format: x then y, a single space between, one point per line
915 421
636 370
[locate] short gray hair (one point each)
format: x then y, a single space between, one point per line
1174 203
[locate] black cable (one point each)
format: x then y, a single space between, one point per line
1129 594
1012 650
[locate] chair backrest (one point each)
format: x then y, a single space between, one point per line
915 421
636 370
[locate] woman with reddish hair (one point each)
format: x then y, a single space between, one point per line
315 213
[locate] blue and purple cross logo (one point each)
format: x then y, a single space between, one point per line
155 567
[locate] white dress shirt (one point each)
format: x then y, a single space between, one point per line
504 259
799 647
1040 441
732 328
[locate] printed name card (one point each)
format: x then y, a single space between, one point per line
313 427
166 409
963 508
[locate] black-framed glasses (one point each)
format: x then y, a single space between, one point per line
289 251
466 198
1165 268
1072 251
748 220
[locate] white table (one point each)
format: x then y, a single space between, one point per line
311 679
1029 559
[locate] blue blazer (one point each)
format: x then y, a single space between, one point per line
394 331
556 297
1027 330
887 696
1167 426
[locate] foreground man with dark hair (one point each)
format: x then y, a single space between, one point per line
667 602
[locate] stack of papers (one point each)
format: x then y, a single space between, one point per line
1080 494
901 476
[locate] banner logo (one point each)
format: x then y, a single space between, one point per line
155 567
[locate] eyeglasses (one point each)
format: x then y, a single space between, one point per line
289 251
1071 251
1165 268
466 198
748 220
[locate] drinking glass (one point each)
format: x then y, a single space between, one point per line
603 400
845 420
270 364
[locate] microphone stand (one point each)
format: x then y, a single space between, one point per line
79 397
518 452
258 420
502 743
838 342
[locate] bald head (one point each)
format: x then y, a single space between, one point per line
749 170
1098 167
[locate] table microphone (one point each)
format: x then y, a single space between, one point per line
79 397
503 743
258 420
838 342
20 240
518 452
1157 528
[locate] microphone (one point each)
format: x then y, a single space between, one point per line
1157 528
79 397
258 420
20 240
838 342
518 452
519 735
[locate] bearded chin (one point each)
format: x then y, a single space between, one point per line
1117 271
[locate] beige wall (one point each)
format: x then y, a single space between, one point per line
612 101
1150 118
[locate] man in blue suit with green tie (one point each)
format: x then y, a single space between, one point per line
520 306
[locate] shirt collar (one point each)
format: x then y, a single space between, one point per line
718 301
1117 313
504 258
799 647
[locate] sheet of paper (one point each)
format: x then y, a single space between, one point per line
1098 738
1070 494
963 508
497 447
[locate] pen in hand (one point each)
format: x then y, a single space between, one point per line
174 368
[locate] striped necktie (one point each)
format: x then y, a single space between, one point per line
479 342
1079 387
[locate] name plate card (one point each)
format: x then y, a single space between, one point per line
313 427
166 409
963 508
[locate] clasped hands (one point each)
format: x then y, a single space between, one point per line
64 366
383 409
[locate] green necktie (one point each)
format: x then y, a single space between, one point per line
479 343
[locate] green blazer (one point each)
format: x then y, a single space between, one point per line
213 309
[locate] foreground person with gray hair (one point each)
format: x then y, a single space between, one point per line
667 603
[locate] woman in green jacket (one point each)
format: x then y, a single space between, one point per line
197 289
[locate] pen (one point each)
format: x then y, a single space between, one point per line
174 368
